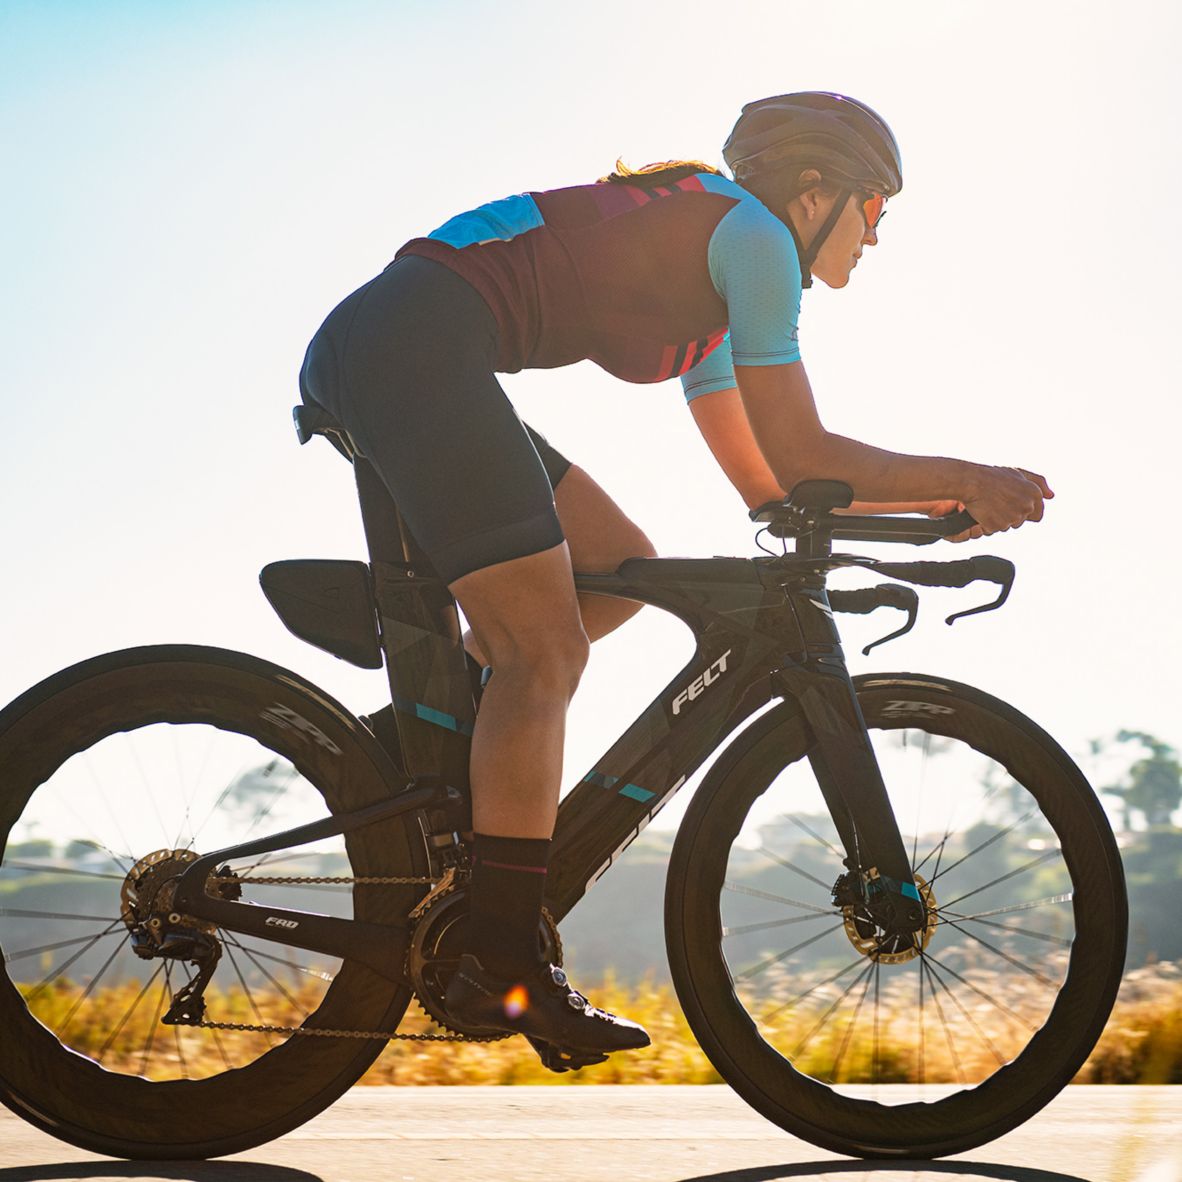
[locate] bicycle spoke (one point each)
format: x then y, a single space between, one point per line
148 1043
90 988
849 1030
217 804
283 784
814 834
921 1030
291 964
1018 964
1047 902
217 1042
925 747
18 913
877 996
263 969
1045 857
1001 1062
771 960
112 813
127 1016
89 939
249 995
55 868
176 1030
984 845
819 985
983 995
826 1015
943 1020
747 928
739 889
1008 927
825 886
150 790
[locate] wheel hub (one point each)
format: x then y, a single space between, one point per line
865 934
147 901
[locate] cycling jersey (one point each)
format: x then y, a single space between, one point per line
650 283
646 282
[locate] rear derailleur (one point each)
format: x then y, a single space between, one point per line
157 932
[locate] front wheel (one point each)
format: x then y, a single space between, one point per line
878 1047
114 775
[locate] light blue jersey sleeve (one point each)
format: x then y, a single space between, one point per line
755 268
715 371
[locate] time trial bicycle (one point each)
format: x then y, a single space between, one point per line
895 912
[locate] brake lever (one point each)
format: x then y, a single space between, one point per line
868 599
904 599
1004 577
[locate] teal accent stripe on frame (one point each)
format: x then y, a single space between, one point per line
427 714
600 780
911 891
632 791
637 793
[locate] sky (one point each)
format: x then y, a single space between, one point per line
190 188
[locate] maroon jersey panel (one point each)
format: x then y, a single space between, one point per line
616 274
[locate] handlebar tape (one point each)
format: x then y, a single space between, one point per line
959 573
867 599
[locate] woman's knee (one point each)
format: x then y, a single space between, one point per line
550 664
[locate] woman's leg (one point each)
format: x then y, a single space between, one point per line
525 615
600 536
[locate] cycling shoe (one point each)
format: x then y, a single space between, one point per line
566 1030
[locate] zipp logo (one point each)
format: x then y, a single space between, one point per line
699 684
901 707
273 921
288 719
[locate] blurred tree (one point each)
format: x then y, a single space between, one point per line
1153 785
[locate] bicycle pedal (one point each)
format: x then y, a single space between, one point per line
562 1059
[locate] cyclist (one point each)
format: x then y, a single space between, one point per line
670 271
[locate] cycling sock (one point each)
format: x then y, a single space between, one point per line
508 882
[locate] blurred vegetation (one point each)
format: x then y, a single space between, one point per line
1141 1044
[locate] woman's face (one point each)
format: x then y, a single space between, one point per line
840 252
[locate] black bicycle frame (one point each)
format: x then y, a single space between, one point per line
764 629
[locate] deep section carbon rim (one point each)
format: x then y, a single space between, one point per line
879 1046
117 774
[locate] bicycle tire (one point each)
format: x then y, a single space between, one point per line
818 1111
75 1098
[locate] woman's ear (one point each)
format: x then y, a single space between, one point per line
808 193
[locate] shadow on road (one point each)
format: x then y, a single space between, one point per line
937 1170
173 1171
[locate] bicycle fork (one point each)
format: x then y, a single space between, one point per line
848 774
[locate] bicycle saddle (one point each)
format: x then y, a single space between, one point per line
315 420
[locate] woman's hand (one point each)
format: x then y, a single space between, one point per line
1002 499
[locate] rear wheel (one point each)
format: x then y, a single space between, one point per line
900 1047
116 773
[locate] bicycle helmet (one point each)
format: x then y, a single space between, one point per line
845 140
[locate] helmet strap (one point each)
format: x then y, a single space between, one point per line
808 257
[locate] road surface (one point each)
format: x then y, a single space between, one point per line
621 1134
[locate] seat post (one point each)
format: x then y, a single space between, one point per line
430 685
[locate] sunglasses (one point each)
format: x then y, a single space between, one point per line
873 209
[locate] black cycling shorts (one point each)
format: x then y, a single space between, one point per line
405 363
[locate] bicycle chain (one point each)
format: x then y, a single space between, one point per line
385 1035
313 880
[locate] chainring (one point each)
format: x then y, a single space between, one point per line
434 954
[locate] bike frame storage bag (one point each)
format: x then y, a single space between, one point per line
328 603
